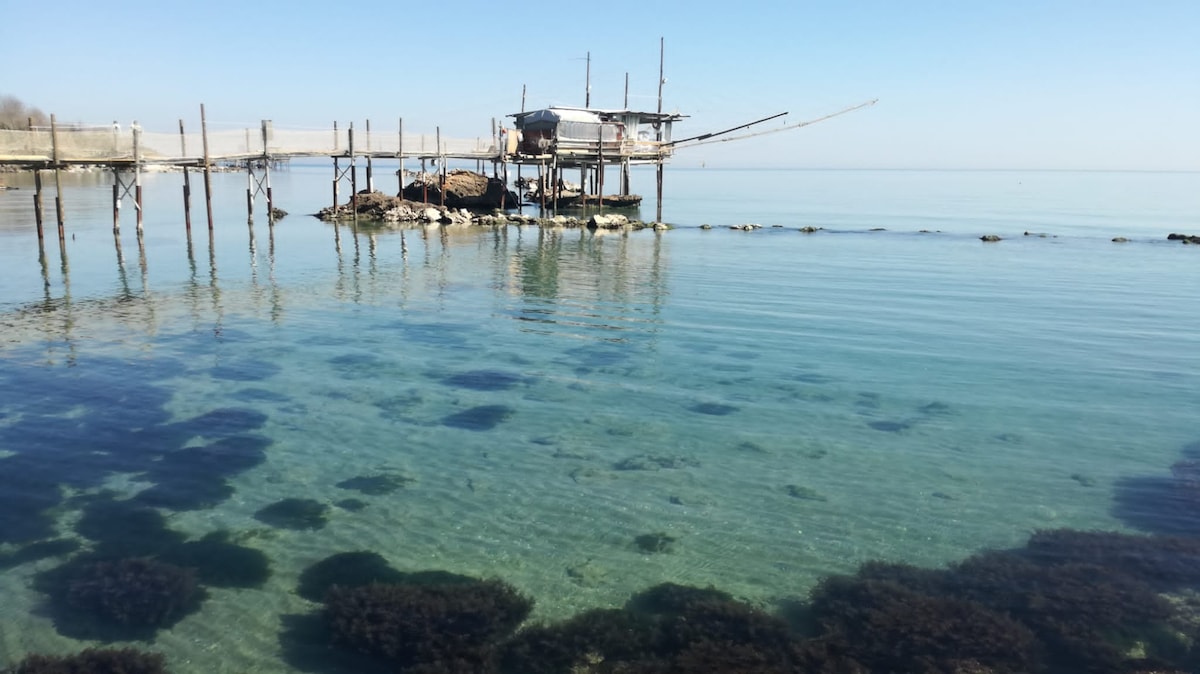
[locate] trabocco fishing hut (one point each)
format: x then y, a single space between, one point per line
564 138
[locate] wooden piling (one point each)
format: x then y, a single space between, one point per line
658 179
337 174
658 135
116 200
37 205
249 192
555 179
207 170
187 183
137 174
400 155
353 174
266 135
58 199
504 194
370 177
441 169
600 173
542 185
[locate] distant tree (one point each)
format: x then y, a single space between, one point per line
14 114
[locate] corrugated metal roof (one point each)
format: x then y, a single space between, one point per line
555 115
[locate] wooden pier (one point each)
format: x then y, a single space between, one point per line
551 140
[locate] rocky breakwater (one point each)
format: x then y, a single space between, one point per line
385 209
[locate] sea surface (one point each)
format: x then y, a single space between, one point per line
770 406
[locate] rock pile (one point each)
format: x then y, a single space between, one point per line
463 189
382 208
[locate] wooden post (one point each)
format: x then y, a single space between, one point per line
400 154
137 174
521 197
58 195
424 183
353 173
600 173
207 170
658 191
187 183
116 200
554 179
37 205
370 178
249 192
266 134
658 135
441 169
337 175
504 194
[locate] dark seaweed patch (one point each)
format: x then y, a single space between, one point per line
655 542
935 408
351 504
375 485
224 421
484 380
186 492
443 628
23 507
655 462
117 598
194 477
294 513
93 661
125 528
714 409
804 493
1158 504
481 418
888 426
356 569
220 562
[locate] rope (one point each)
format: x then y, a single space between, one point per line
789 127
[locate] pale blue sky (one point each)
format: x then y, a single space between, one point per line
1094 84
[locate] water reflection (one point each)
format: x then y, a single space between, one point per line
568 281
577 279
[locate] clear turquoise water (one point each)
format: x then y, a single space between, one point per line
549 395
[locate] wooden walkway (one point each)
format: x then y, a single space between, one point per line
125 151
125 146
